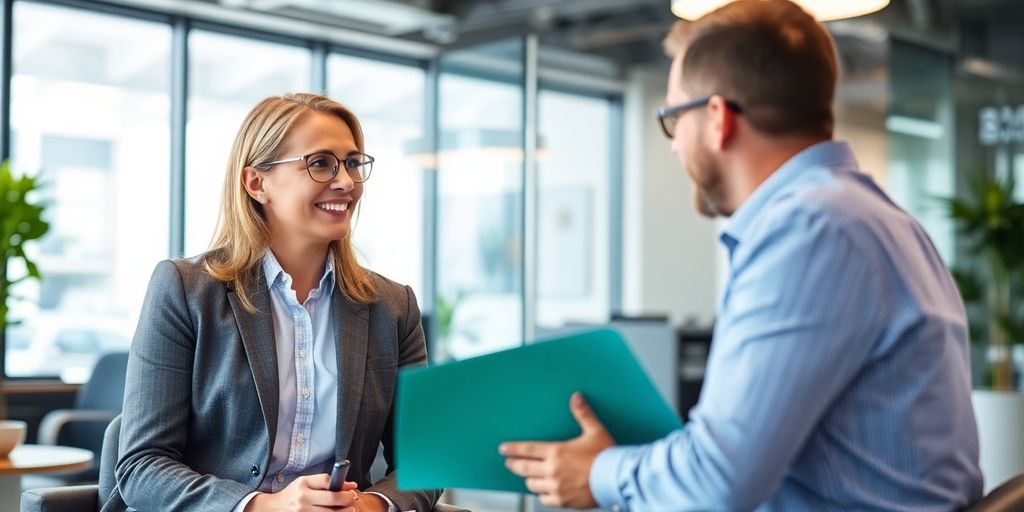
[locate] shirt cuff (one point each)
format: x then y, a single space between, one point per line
391 505
245 501
604 476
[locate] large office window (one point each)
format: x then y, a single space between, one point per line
89 116
574 223
228 75
480 201
389 101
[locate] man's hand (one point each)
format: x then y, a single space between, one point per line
560 472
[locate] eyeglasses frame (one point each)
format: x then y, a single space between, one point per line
265 166
675 110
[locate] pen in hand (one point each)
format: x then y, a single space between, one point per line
338 474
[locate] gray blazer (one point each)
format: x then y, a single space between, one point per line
201 395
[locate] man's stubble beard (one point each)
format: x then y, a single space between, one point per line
707 194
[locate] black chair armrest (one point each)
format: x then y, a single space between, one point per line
441 507
79 498
54 421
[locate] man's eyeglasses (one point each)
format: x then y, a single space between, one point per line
668 116
323 167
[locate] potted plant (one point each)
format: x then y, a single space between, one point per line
21 221
990 224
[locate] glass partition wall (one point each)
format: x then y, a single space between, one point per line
480 193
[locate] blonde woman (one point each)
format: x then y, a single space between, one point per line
260 363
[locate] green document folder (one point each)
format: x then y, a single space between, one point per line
451 418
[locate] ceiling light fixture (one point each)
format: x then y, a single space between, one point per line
822 10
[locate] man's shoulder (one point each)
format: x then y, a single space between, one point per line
842 201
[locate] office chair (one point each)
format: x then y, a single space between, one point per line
89 498
1008 497
98 402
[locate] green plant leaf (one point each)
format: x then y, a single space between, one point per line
33 269
21 221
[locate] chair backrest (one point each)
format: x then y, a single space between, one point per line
1008 497
105 388
108 460
103 391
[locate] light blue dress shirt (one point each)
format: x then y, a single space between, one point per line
307 368
838 377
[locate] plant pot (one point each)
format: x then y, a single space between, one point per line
1000 415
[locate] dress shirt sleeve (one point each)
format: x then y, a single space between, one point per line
391 505
245 501
799 321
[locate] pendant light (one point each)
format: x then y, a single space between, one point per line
822 10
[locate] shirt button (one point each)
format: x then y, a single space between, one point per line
280 478
255 471
301 439
305 392
302 354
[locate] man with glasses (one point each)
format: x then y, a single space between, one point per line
838 376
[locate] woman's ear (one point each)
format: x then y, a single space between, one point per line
252 180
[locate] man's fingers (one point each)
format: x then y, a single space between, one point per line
526 467
584 414
539 485
551 500
525 450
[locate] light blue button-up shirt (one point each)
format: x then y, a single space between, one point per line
307 369
838 377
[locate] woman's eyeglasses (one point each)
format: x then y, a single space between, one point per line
323 166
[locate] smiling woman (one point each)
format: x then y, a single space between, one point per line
268 321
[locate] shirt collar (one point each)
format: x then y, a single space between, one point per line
828 154
274 273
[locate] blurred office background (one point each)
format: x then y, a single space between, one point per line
521 186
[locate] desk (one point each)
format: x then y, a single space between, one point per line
31 458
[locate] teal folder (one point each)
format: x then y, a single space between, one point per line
451 418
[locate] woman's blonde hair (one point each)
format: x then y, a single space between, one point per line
242 236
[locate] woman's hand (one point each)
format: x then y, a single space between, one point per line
307 494
371 503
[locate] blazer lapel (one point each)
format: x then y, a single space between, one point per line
350 327
257 331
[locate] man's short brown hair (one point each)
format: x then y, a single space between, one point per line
769 56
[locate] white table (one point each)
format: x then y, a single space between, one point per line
31 458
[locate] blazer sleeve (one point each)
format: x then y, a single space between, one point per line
154 431
412 352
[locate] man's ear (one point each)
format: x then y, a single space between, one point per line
252 180
722 122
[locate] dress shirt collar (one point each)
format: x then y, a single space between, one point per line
830 154
275 273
